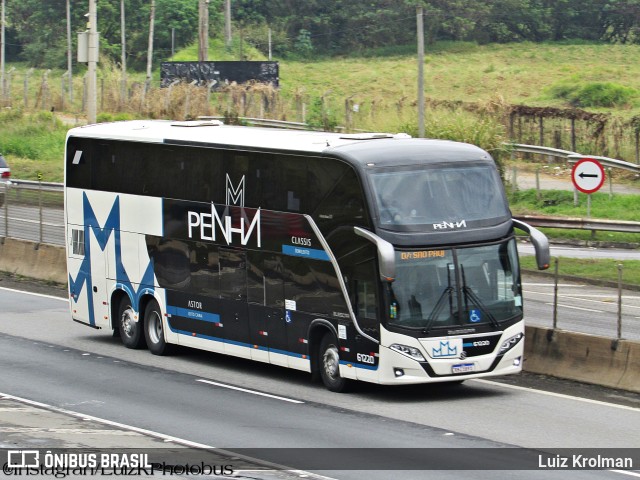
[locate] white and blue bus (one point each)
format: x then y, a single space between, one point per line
369 257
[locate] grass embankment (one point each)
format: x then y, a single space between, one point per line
33 144
517 73
593 269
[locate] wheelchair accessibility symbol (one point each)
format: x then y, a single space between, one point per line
475 316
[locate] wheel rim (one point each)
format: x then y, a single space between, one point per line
331 362
127 322
155 328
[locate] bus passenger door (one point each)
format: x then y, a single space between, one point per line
365 301
233 302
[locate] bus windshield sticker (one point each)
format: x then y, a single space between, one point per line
342 332
290 305
77 157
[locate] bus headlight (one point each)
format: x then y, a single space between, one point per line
510 343
410 352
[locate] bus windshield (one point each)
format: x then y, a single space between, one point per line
419 195
456 287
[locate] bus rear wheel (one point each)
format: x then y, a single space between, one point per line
330 364
130 328
154 329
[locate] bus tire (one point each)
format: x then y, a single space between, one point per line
130 329
154 329
330 364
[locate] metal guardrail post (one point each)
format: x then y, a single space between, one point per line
555 294
6 211
40 206
619 301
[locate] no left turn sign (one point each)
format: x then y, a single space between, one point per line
587 175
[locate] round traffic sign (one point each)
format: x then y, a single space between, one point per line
587 175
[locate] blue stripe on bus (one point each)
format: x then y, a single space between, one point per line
237 343
305 252
193 314
258 347
359 365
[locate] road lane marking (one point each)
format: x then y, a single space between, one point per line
626 472
161 436
557 395
253 392
82 416
576 308
35 294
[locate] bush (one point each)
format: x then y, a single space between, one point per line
594 94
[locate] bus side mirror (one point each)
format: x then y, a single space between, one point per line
540 243
386 254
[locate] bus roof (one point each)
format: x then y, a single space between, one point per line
360 148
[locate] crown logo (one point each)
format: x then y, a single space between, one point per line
444 350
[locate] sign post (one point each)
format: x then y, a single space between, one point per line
588 176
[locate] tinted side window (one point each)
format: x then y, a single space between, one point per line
205 269
264 279
313 286
233 274
186 266
344 204
78 163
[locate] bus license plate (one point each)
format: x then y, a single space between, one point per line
463 367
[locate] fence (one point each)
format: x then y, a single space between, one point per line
32 211
596 311
570 128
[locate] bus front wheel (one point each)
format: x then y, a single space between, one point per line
130 328
330 364
154 329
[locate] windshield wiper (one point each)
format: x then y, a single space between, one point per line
438 308
470 294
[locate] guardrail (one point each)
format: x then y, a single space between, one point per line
581 223
32 211
572 157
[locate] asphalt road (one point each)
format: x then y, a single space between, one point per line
582 308
195 396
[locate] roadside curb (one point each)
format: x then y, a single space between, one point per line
37 260
582 357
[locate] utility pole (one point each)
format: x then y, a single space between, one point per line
92 81
203 31
420 24
123 61
227 21
69 52
152 17
2 47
